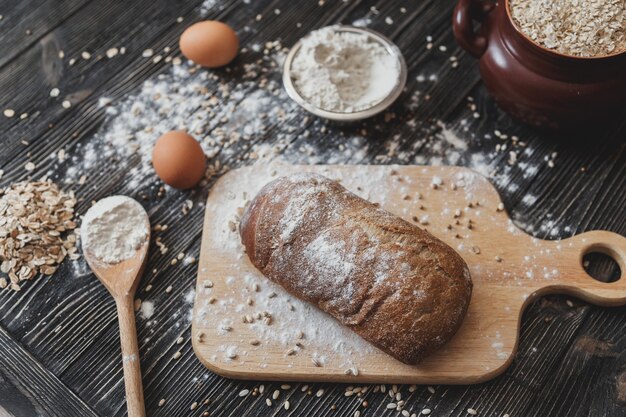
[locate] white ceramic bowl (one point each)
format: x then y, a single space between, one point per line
391 48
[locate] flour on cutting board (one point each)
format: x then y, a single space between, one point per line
293 322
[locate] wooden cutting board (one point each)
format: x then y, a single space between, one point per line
246 327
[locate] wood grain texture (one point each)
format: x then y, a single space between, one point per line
36 383
30 22
69 323
509 270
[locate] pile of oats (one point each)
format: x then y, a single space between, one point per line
585 28
34 217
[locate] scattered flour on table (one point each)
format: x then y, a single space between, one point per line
190 296
207 6
222 116
147 309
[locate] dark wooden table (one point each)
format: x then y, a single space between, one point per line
59 349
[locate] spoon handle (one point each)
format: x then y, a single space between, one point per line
130 357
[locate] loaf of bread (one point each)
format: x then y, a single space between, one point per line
392 283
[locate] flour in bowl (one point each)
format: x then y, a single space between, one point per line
342 71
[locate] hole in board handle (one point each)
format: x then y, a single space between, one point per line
600 264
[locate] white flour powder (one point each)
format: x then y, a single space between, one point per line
114 228
343 71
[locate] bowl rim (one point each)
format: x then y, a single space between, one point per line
395 92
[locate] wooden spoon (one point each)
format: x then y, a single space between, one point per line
122 279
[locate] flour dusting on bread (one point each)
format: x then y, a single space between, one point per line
328 259
392 283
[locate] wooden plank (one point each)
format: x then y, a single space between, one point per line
594 357
15 403
35 382
23 24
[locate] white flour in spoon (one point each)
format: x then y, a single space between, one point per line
343 71
114 228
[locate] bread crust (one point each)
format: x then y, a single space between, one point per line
392 283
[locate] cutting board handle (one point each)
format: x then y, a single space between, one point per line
574 280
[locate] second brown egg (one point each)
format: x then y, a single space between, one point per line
210 43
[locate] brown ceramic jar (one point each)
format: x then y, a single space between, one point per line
534 84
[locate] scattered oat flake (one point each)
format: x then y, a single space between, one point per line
66 104
147 53
9 112
85 55
29 166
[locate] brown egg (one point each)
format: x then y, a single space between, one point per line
178 159
210 43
